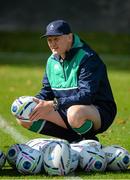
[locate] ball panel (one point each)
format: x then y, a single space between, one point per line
90 142
38 143
74 160
2 159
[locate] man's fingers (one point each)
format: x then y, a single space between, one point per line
36 100
32 114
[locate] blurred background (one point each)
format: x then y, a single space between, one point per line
84 15
104 24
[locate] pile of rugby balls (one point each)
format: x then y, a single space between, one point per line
57 156
51 156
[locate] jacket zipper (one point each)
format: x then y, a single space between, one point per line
62 64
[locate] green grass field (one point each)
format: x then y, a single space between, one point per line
22 64
21 74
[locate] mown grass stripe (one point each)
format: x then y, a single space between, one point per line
8 129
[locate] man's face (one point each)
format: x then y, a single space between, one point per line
59 44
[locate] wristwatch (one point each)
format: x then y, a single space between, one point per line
55 104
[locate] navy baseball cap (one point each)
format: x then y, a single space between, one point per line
57 28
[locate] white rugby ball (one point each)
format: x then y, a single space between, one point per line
13 152
57 158
92 158
29 161
22 107
118 158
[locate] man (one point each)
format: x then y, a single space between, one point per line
76 100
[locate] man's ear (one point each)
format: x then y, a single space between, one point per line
70 37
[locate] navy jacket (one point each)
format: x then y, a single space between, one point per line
81 78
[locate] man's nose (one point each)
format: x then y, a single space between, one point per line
53 43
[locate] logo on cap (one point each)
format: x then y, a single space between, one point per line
51 27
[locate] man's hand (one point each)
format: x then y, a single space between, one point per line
41 110
24 124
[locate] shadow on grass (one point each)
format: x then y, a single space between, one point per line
9 172
106 174
12 173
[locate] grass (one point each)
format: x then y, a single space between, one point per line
21 74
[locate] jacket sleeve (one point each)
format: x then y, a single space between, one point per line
89 76
46 92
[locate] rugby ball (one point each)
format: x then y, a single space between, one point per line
29 161
22 107
57 158
13 152
118 158
92 158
